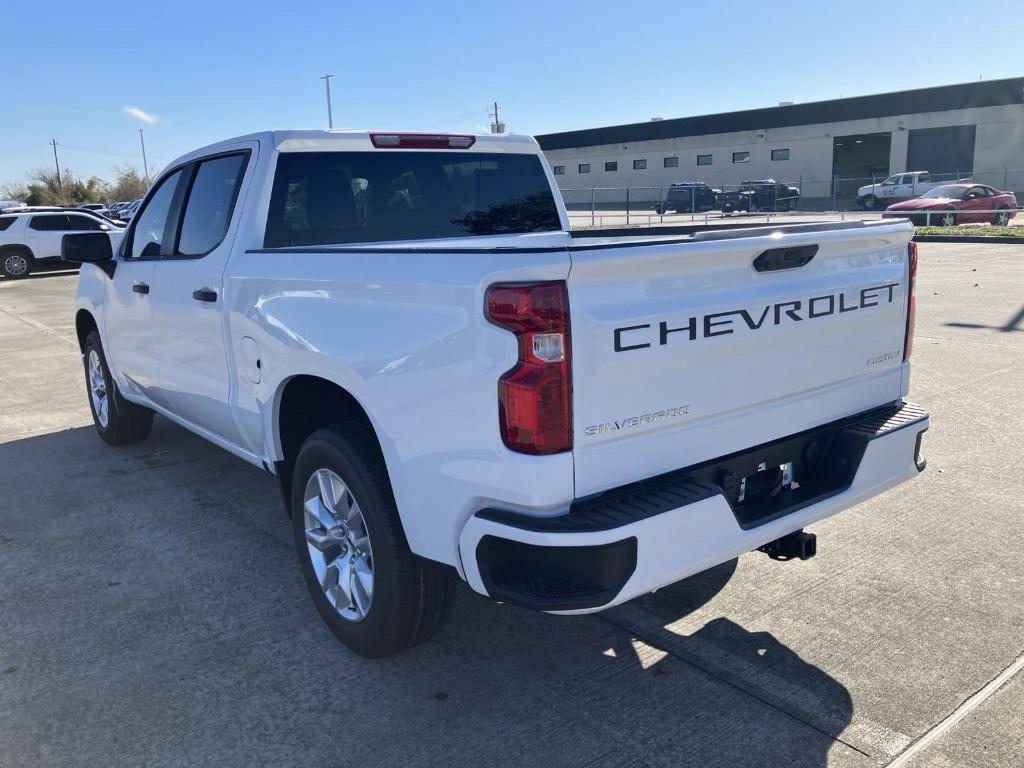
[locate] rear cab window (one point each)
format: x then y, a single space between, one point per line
335 198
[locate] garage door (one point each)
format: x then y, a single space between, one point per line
948 150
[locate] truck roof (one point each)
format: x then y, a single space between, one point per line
350 140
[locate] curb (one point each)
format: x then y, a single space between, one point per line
995 240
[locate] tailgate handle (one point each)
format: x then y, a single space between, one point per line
785 258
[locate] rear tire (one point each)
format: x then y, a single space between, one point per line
373 593
948 219
1002 218
117 421
16 263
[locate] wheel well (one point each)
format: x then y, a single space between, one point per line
22 248
85 324
309 403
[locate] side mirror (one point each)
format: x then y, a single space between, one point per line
86 248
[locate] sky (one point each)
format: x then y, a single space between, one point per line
190 73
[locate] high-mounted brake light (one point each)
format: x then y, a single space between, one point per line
535 396
908 339
421 141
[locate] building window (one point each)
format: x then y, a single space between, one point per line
704 159
780 154
611 166
584 167
741 157
559 170
639 165
671 162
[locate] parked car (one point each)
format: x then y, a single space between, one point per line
900 186
4 204
953 204
449 382
99 208
760 195
128 210
30 240
687 197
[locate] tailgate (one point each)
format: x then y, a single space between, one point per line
685 351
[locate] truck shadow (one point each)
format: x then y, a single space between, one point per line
150 597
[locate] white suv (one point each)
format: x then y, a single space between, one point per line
33 238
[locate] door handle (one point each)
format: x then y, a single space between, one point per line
204 294
140 288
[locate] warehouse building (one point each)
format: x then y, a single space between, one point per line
827 147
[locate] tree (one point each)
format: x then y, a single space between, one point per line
130 184
43 188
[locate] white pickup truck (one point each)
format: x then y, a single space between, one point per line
449 383
902 186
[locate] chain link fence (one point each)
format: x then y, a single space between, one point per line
642 204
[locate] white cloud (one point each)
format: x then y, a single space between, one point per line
139 114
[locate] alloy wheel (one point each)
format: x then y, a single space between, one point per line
15 265
98 389
338 544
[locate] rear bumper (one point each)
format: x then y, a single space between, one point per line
630 541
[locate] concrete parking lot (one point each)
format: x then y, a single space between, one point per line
152 612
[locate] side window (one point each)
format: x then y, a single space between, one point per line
6 221
210 203
82 223
151 220
50 223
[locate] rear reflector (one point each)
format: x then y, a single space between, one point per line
535 396
908 339
421 141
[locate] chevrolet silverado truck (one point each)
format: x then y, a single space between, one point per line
449 383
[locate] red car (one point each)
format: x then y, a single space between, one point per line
953 204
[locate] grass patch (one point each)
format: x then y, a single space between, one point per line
969 231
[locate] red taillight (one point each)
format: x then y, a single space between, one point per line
908 339
421 141
535 397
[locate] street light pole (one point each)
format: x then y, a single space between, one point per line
327 82
145 165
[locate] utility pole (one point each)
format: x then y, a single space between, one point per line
60 184
497 126
327 82
145 165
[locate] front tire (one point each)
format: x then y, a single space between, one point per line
116 420
870 203
16 263
372 592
